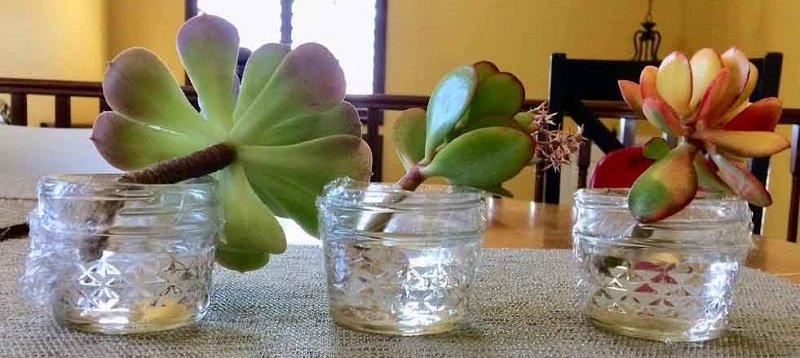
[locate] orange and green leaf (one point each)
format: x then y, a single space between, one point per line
742 182
632 94
666 187
661 115
744 144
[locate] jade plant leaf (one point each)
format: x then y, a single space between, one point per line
408 135
482 158
750 144
292 134
759 116
647 82
742 182
500 94
656 148
705 64
666 187
485 69
449 101
661 116
711 105
674 82
706 177
632 94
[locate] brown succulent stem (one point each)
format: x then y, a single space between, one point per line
193 165
410 181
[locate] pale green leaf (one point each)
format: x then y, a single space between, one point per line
449 101
257 72
408 135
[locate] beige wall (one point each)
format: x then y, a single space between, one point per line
49 39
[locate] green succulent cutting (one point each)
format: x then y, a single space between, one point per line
474 132
272 141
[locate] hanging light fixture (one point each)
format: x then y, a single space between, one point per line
647 40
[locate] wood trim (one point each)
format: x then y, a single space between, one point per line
19 108
190 9
63 112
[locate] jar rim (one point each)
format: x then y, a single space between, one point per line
348 192
618 197
108 179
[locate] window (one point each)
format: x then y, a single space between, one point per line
346 27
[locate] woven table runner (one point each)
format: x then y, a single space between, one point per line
524 304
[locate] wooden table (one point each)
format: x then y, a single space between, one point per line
523 224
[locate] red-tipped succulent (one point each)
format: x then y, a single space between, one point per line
704 102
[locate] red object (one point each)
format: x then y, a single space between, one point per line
620 168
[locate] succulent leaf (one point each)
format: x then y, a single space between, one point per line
632 94
750 144
759 116
500 94
482 158
656 148
448 102
139 86
209 47
485 69
257 72
750 85
127 144
706 177
647 82
309 80
290 177
705 64
666 187
250 226
711 105
674 82
661 116
341 119
737 63
742 182
408 135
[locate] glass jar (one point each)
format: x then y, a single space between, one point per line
400 262
121 258
669 281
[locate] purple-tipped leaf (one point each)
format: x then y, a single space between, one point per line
341 119
209 47
139 86
257 73
129 145
309 80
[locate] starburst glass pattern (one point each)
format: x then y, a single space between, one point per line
146 267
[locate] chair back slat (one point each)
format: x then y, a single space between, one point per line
63 115
19 109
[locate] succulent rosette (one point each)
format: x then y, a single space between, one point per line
287 123
704 101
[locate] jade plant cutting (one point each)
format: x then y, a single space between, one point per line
272 141
703 101
475 133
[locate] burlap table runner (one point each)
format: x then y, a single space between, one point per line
524 304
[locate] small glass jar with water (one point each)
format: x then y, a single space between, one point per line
118 258
671 280
400 262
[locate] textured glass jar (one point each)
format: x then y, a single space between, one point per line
669 281
400 262
122 258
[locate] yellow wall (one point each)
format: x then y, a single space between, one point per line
757 27
146 23
427 38
49 39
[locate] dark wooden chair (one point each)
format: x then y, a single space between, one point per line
574 81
